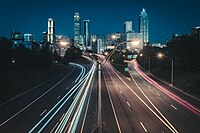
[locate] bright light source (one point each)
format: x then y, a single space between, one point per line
141 55
160 55
114 36
63 43
135 43
94 39
106 53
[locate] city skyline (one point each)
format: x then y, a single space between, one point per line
162 24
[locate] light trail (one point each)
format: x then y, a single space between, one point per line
63 100
27 106
181 101
163 121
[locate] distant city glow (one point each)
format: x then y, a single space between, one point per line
63 43
136 42
114 36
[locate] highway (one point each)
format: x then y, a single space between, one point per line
53 106
139 104
70 101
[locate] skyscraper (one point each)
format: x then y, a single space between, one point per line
128 27
87 33
51 38
144 26
77 27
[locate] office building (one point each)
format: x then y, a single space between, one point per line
87 33
77 27
99 46
128 27
196 31
136 41
44 37
51 38
29 37
144 26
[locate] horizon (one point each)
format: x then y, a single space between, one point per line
163 21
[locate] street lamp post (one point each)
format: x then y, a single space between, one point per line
172 73
160 55
149 64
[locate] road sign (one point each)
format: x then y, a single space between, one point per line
126 69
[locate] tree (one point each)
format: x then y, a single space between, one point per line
45 57
6 52
72 54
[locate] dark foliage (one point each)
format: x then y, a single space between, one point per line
34 58
72 54
56 57
5 52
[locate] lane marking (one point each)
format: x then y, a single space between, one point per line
166 124
84 119
158 94
128 104
121 92
178 99
128 78
117 121
27 106
149 86
173 107
143 127
43 112
63 100
58 97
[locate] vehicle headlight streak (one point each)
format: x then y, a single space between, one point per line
178 99
63 101
82 71
76 117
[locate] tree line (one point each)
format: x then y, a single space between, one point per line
35 57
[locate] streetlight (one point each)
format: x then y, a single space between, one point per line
161 55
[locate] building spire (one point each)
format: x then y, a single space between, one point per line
143 10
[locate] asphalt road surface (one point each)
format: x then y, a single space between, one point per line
139 104
42 108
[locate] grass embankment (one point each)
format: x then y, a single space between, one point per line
14 81
186 81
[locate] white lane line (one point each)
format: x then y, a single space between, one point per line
27 106
143 127
158 94
117 121
128 104
128 78
170 126
43 112
58 97
173 107
86 111
121 92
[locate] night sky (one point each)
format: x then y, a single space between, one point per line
106 16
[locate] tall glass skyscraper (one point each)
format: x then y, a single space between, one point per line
77 27
144 26
51 38
51 31
128 27
87 32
